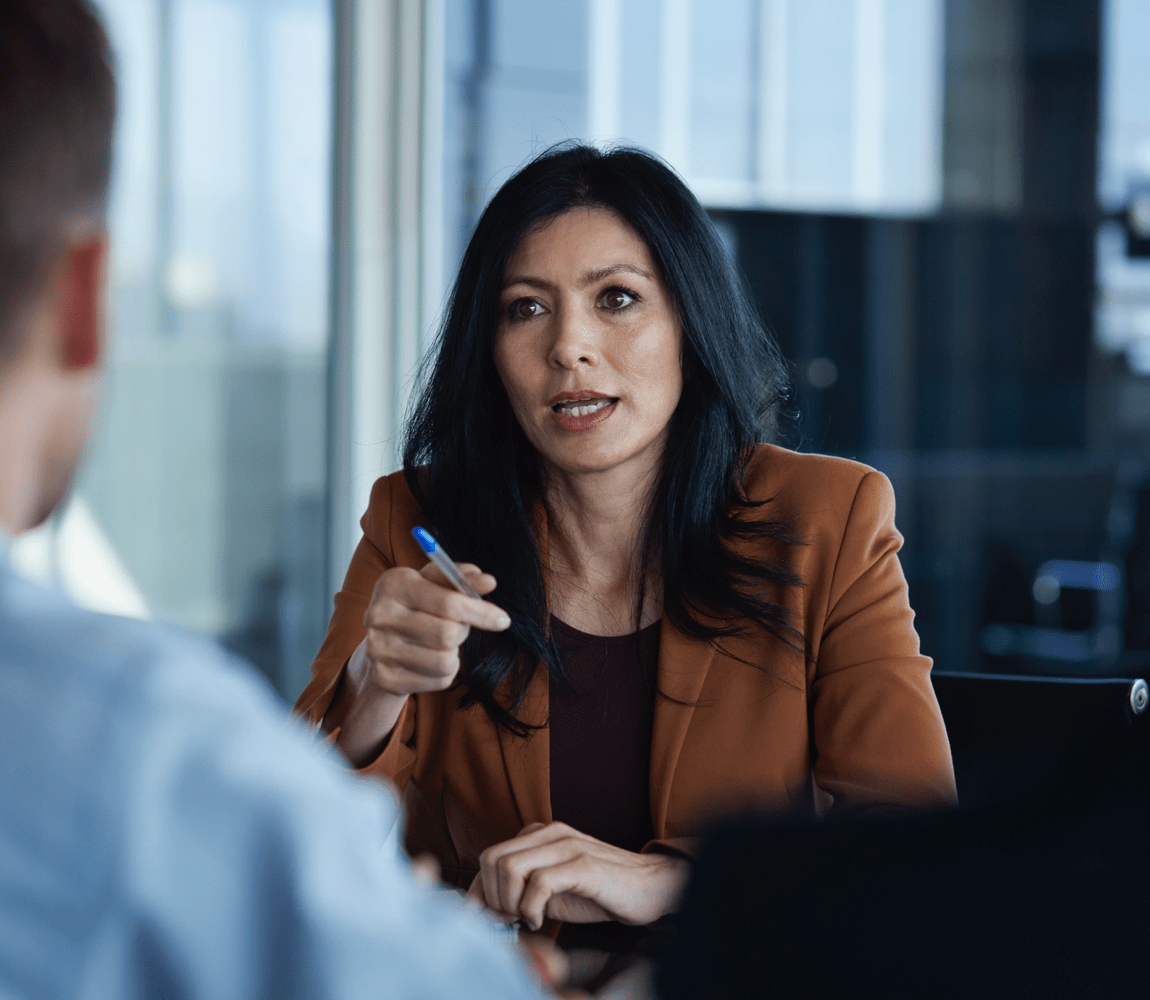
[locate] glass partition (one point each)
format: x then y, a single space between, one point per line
202 500
943 210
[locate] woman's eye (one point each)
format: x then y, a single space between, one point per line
524 309
617 298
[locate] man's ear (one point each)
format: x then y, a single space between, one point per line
80 303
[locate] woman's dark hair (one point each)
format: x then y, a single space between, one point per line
478 480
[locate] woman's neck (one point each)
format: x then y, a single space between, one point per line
596 523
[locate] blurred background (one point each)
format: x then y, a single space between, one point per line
942 208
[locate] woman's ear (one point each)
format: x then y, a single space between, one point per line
80 303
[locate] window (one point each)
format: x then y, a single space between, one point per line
202 500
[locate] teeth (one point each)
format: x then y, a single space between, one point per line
583 411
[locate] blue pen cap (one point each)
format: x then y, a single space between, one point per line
426 542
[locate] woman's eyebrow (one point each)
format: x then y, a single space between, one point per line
588 279
527 280
605 272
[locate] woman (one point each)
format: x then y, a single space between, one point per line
687 623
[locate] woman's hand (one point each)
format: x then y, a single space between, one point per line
416 622
551 870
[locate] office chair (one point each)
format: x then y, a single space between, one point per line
1011 734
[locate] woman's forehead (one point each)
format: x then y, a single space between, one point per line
586 239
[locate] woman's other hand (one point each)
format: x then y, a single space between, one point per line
552 870
416 622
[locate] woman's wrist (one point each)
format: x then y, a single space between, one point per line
364 713
672 875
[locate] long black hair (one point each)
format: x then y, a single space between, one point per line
479 481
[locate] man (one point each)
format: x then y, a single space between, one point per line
163 832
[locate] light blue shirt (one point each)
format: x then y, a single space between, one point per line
165 832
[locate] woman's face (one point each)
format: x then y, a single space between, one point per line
588 345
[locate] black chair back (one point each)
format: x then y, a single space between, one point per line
1012 734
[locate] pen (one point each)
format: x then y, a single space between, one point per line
441 559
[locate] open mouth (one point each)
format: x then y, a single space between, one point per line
581 408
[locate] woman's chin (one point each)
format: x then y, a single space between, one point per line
588 461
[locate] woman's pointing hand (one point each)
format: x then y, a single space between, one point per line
416 622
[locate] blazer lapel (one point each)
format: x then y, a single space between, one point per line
683 666
527 761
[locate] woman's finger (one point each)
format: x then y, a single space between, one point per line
506 875
545 883
532 835
419 593
422 629
482 582
396 654
478 900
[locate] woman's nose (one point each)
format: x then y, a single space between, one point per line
574 342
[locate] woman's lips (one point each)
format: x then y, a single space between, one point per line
580 420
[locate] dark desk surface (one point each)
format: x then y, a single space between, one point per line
611 959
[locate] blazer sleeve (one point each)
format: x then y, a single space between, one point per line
879 741
346 631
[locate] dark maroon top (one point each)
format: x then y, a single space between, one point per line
601 735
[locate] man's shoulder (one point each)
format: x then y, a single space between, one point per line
41 629
82 691
164 793
92 708
103 713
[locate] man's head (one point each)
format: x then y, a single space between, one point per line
57 110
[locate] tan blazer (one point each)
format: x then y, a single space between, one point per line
856 728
